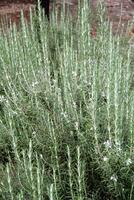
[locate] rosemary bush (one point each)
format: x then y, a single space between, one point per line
66 111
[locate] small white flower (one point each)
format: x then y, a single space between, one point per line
34 134
34 83
108 144
64 114
117 143
54 81
85 81
2 98
105 159
128 161
103 94
19 73
76 126
7 77
71 133
74 74
91 129
118 146
114 178
74 105
14 112
2 183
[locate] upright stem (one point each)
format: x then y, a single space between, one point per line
45 5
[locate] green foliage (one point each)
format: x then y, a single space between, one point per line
66 111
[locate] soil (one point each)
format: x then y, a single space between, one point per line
120 12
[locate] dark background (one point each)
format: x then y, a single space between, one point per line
120 18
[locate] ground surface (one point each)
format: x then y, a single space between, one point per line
120 11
